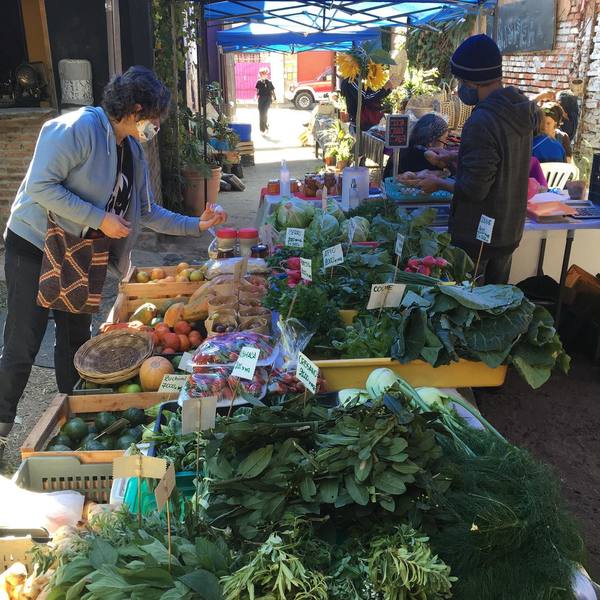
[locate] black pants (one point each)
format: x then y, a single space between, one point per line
24 330
492 270
263 112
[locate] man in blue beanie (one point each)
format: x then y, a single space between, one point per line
493 161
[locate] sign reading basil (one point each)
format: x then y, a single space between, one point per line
333 256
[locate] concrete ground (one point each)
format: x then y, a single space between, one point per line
282 142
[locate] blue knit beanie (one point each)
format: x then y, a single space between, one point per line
477 59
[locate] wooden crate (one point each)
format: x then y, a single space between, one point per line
157 290
126 305
63 407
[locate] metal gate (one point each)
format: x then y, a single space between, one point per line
246 74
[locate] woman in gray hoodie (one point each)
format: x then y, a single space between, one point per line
89 171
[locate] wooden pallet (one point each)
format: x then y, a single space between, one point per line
63 407
171 289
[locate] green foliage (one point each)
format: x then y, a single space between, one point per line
432 49
270 463
503 525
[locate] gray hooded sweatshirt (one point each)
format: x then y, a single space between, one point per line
72 174
493 171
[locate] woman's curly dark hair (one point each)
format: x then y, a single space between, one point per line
138 85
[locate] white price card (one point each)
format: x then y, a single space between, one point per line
351 229
294 237
246 363
306 269
485 229
172 382
307 372
198 414
333 256
139 465
186 362
399 244
386 295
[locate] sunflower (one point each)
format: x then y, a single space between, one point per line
377 76
348 66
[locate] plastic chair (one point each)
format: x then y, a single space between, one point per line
558 174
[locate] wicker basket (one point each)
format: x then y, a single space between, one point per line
113 357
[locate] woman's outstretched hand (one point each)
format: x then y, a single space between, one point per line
213 215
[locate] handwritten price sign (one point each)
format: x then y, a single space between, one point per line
306 269
386 295
307 372
333 256
246 363
399 245
485 229
294 237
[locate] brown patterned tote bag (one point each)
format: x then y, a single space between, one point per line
73 271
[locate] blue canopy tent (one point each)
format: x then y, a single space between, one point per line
255 37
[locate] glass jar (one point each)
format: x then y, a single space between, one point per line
273 187
226 238
225 253
247 238
259 251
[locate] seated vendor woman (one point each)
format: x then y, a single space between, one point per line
545 146
428 138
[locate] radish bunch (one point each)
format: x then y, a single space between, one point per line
428 265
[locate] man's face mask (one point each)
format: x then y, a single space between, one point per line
146 129
468 95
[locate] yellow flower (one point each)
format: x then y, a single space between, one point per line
348 66
377 76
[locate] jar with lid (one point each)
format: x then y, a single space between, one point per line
248 238
226 238
260 251
273 187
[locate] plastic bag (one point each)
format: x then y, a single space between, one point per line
224 350
225 266
218 381
294 338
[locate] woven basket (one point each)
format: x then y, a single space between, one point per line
113 357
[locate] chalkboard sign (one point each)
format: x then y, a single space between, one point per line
396 133
525 25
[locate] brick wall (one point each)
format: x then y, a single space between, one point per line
534 72
591 114
19 129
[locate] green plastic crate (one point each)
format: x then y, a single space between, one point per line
59 473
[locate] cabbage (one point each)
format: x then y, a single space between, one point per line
324 226
361 232
333 208
294 213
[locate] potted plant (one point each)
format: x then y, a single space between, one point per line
201 173
344 153
330 156
342 144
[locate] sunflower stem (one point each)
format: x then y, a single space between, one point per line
358 132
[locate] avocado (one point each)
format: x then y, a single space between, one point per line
104 420
61 440
58 448
136 416
135 432
92 445
124 442
76 429
108 442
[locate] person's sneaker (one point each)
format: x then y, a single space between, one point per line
3 444
4 431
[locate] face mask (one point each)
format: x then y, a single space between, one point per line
146 129
468 95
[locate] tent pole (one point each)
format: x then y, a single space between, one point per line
202 82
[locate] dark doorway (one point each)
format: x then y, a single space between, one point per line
13 47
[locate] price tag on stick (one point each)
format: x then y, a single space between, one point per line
399 244
485 229
306 269
186 362
386 295
307 372
165 488
294 237
173 382
139 466
245 365
333 256
198 414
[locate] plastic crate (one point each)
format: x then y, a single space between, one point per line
59 473
244 131
401 193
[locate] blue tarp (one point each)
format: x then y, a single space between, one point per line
261 37
306 16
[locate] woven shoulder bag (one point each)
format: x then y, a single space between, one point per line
73 271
